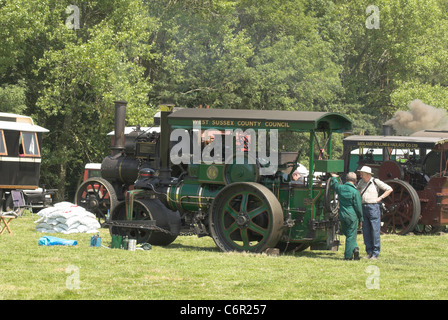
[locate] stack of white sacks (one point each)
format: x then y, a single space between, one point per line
66 217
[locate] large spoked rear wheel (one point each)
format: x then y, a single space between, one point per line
403 208
246 216
97 195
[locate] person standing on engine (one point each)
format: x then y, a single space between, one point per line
350 212
369 188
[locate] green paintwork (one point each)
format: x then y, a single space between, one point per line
329 166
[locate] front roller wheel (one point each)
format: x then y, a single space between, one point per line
246 216
144 209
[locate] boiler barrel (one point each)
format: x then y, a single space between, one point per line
119 168
190 197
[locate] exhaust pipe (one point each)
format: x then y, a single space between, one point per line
165 171
388 130
120 123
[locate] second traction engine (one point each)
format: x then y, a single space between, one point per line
415 167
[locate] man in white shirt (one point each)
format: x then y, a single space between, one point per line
371 228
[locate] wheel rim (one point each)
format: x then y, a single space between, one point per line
96 195
403 209
246 217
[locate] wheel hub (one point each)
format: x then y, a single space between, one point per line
392 208
92 201
243 220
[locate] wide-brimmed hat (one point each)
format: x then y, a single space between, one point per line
366 169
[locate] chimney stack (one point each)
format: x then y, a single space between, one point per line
120 124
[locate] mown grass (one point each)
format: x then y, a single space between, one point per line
410 267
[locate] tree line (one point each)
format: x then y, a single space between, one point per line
64 62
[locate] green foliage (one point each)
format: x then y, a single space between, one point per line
405 55
201 59
12 98
83 72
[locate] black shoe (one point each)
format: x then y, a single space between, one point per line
356 253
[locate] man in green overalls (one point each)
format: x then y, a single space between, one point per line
350 212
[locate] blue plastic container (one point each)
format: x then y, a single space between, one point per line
95 241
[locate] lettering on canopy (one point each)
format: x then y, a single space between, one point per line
387 144
244 123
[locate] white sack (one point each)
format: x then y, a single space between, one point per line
66 217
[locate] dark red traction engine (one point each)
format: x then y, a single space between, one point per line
416 167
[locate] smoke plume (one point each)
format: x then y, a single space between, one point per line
419 117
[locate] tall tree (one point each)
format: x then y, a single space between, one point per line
295 65
84 71
201 58
395 53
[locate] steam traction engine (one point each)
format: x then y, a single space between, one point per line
415 167
131 148
245 201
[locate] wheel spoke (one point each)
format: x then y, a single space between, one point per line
244 201
258 229
228 209
228 231
245 237
95 190
404 214
255 212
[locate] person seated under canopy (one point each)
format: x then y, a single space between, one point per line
298 175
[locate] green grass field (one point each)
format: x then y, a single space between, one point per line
410 267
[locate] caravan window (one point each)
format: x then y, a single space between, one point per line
3 151
28 144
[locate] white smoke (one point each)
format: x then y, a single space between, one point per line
419 117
